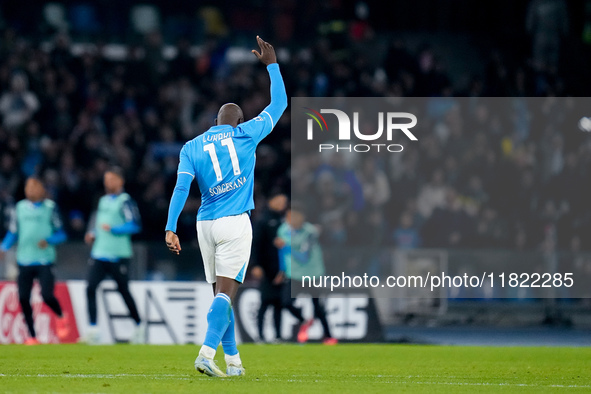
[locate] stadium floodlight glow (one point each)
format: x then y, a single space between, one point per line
585 124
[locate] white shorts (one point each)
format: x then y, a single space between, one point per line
225 246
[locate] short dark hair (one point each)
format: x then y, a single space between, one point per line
117 171
277 192
298 207
35 178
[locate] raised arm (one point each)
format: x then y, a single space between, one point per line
278 95
259 127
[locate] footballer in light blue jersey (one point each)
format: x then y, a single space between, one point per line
222 161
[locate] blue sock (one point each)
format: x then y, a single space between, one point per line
229 338
218 320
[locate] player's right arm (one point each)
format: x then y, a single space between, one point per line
90 235
268 118
12 235
185 175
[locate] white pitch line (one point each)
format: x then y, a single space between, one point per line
168 376
488 384
96 376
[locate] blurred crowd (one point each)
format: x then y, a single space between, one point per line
67 117
502 173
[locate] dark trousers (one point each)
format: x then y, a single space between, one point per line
26 276
270 296
287 301
320 314
319 310
118 271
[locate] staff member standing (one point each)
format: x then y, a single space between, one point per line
266 263
36 226
110 231
300 254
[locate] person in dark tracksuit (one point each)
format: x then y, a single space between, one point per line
266 263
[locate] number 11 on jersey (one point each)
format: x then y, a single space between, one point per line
228 143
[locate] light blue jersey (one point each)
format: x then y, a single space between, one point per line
222 160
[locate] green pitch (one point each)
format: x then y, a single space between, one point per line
299 369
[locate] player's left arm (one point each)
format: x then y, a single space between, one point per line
302 254
133 221
59 235
283 243
304 251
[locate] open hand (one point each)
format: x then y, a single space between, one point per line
172 242
267 55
